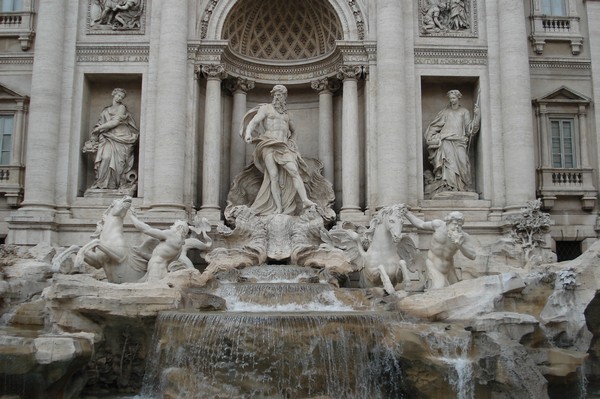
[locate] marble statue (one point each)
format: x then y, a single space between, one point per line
113 140
448 138
276 156
448 238
171 246
148 261
118 14
108 249
384 262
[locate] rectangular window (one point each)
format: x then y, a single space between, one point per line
554 7
563 143
6 135
11 5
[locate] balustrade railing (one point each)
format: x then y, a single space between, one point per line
18 24
556 182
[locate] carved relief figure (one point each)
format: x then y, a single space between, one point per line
118 14
113 140
444 16
448 138
458 18
448 238
276 156
431 18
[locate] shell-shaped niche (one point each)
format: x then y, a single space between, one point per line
282 30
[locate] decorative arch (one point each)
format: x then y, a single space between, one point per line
213 14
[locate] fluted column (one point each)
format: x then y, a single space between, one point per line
350 142
211 161
239 87
46 95
519 166
392 157
325 88
172 85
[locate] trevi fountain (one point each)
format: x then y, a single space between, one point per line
283 300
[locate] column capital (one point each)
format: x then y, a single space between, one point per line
211 71
353 72
239 84
325 85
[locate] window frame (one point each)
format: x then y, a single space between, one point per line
555 28
561 118
10 150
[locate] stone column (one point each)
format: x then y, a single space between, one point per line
18 135
593 16
350 143
392 157
543 123
325 88
211 160
172 86
583 137
239 87
517 127
46 104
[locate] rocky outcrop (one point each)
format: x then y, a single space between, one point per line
44 366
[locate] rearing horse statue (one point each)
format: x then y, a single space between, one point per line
108 249
384 261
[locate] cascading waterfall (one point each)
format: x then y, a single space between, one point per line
291 355
454 350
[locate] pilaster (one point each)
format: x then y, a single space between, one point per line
392 156
172 86
517 132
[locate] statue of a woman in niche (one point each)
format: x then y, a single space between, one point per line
113 140
448 139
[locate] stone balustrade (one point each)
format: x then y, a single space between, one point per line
19 24
555 182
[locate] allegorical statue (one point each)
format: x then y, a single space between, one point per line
279 181
448 138
113 140
448 238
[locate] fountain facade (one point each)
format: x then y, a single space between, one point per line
282 194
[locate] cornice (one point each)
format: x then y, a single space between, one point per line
451 56
560 63
16 59
100 52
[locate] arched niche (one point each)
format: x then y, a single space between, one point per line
213 13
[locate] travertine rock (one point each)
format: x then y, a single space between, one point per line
463 300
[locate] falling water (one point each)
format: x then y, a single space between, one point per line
454 350
294 355
281 297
